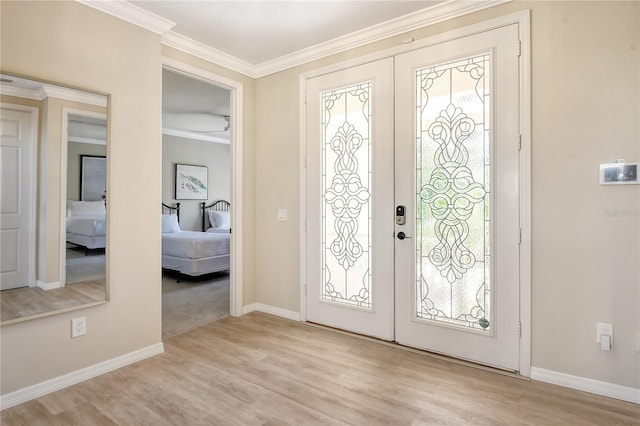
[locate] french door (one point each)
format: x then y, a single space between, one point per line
350 199
413 198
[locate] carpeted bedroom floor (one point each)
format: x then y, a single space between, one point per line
87 268
188 304
192 303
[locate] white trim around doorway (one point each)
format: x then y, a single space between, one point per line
237 107
522 19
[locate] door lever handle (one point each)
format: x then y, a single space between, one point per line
402 236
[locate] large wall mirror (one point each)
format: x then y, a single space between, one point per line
53 198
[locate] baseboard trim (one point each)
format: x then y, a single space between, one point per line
48 286
66 380
586 385
249 308
273 310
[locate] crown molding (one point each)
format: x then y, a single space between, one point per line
131 13
46 91
422 18
441 12
74 95
202 51
194 135
20 92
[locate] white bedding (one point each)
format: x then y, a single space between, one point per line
195 245
197 267
219 230
91 226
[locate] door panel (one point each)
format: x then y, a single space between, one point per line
350 225
16 200
457 173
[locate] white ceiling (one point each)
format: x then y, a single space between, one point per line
261 31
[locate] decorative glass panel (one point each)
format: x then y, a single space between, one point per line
346 206
453 217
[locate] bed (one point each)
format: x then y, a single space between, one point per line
192 253
86 224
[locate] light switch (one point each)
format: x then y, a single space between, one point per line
283 215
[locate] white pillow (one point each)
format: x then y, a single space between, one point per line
219 219
86 208
170 223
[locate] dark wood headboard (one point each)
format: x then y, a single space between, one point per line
167 209
218 206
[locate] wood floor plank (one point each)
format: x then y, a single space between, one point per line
29 301
263 370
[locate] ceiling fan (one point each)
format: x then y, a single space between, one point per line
197 122
226 126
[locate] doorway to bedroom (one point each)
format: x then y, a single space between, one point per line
196 195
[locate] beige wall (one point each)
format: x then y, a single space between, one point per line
49 173
215 156
72 44
585 109
586 99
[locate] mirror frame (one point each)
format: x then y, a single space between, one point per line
82 95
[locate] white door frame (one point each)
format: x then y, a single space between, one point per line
31 187
522 19
237 110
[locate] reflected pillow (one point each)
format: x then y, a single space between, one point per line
170 223
219 219
86 208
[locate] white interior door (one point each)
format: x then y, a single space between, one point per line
445 276
349 223
457 143
17 223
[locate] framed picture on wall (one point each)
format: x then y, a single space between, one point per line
191 182
93 177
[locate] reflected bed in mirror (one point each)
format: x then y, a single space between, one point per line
53 200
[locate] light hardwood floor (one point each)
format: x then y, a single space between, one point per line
23 302
263 370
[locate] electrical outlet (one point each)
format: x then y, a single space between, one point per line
603 328
78 327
